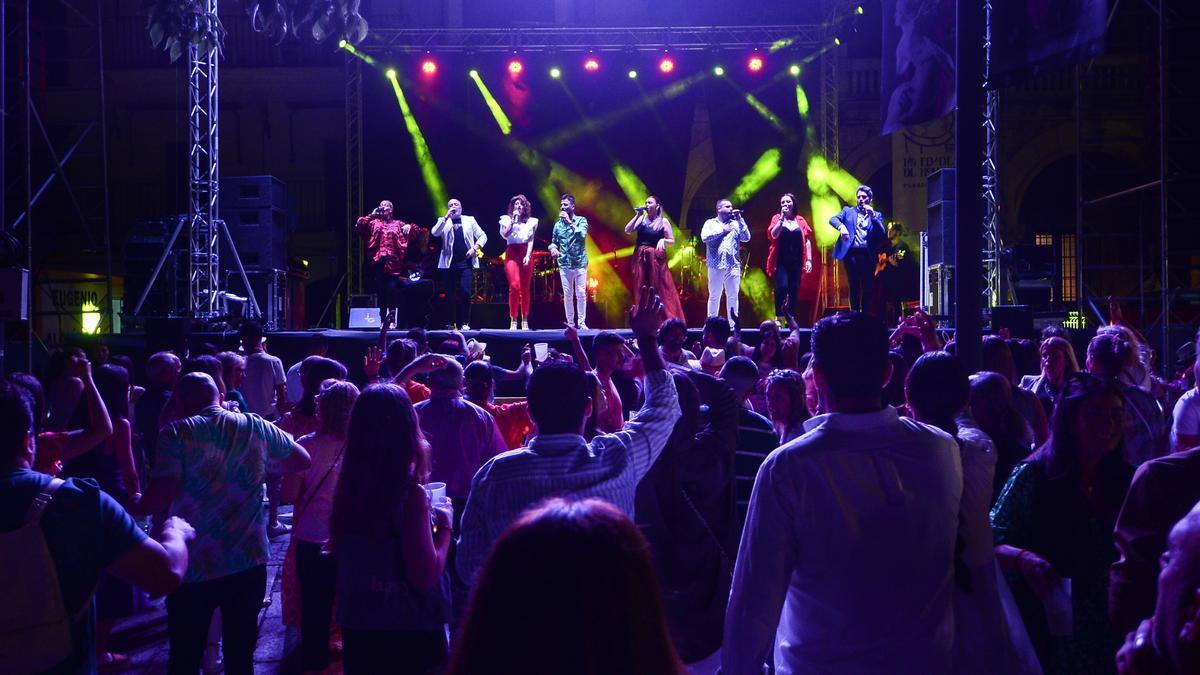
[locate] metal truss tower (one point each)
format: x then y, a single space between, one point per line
203 175
991 188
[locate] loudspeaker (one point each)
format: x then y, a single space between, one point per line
168 335
939 186
252 192
1038 293
942 219
1018 319
255 209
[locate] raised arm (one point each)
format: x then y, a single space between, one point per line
99 423
712 230
439 226
425 550
743 230
506 226
632 225
775 228
572 337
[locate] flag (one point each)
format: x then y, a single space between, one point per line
918 62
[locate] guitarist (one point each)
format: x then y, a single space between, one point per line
894 275
862 238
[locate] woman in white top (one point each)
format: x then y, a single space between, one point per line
518 227
315 573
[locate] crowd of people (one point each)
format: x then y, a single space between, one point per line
863 503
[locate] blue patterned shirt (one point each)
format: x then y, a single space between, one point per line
722 246
610 467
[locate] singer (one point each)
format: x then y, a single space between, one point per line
862 239
568 246
518 228
721 236
649 264
387 241
790 253
462 245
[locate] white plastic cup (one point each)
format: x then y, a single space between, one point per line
541 350
435 490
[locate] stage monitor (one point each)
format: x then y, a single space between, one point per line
364 317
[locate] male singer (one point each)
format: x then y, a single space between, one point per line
721 236
568 247
387 243
462 241
863 238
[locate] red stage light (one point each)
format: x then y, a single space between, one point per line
755 64
591 64
666 65
428 66
515 67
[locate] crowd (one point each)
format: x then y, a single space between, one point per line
649 506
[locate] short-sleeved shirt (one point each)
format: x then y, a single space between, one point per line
1186 417
221 459
570 240
263 373
86 531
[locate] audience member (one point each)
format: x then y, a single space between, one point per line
996 356
135 391
1163 491
686 508
266 382
569 587
64 386
318 345
302 419
611 356
162 372
672 336
846 559
512 419
893 391
558 461
310 575
1054 521
210 469
57 538
756 437
786 403
1185 418
1167 643
994 413
56 446
233 373
1109 356
388 541
1057 362
462 436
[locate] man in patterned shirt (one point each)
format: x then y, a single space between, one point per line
210 471
568 246
558 461
721 236
387 241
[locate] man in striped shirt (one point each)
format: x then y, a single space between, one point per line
558 461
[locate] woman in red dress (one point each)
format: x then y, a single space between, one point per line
654 235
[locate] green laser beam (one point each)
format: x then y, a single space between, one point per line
429 171
493 105
765 168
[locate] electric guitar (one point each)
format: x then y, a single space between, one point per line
886 261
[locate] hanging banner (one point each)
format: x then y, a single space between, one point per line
917 79
917 152
1032 36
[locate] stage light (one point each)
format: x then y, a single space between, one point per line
858 10
837 41
794 70
591 64
755 63
666 65
719 71
555 73
633 74
341 44
472 73
802 106
493 105
391 73
515 67
429 66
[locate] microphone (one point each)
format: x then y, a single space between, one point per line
639 209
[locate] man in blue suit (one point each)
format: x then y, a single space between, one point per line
863 238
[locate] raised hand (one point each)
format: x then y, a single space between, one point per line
372 362
647 315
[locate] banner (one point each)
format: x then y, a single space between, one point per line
917 152
1029 36
917 79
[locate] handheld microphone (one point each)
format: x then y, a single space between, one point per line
639 209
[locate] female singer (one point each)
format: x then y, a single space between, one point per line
650 254
518 228
791 251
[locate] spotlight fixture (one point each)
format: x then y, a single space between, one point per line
591 64
719 71
755 63
858 10
515 67
342 44
428 66
837 41
391 73
633 74
795 69
472 73
666 65
555 73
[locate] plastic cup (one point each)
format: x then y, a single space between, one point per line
541 350
435 490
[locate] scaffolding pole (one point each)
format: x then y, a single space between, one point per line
203 180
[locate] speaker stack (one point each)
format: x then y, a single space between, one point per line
939 261
255 210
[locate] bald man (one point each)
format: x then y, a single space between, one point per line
210 470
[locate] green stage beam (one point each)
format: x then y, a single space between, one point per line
765 168
502 120
429 171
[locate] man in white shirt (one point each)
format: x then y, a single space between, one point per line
462 246
722 236
1185 419
318 345
846 559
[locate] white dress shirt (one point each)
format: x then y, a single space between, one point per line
521 233
846 559
722 246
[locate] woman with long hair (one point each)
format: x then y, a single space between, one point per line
790 254
654 235
786 402
568 588
518 229
389 541
993 410
310 579
995 355
314 370
1057 362
1054 521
